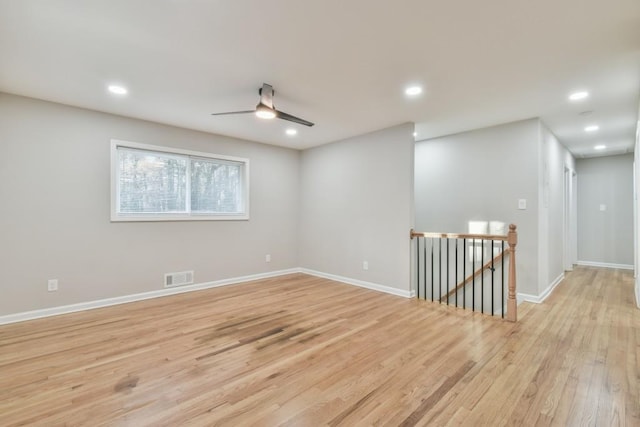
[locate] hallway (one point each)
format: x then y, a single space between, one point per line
575 359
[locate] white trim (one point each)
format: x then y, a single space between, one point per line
537 299
605 265
361 283
65 309
89 305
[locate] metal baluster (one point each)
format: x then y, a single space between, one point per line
418 264
482 276
448 268
502 280
440 270
473 276
432 268
424 269
492 271
456 273
464 273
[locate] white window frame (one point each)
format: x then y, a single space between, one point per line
187 216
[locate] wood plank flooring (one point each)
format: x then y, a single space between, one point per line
303 351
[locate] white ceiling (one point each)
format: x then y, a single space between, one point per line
341 64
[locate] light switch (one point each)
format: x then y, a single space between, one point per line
522 204
603 208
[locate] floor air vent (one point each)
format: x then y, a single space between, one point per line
178 279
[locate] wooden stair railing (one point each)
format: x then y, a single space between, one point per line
512 304
511 239
487 266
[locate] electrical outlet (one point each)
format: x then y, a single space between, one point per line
365 265
267 258
52 285
522 204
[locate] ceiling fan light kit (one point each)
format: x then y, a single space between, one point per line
266 110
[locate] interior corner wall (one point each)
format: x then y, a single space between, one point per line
636 206
604 236
554 158
55 192
356 206
481 175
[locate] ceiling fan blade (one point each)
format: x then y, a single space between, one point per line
266 95
266 110
284 116
233 112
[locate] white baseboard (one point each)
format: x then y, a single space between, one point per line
360 283
605 265
54 311
89 305
537 299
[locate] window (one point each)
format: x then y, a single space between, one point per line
151 183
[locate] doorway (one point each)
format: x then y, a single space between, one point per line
570 226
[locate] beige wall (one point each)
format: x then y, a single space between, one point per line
356 205
54 187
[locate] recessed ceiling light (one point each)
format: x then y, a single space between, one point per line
413 90
415 134
291 132
591 128
577 96
599 147
118 90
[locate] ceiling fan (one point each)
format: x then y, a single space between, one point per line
266 110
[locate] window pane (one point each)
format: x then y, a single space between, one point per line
151 182
216 186
169 184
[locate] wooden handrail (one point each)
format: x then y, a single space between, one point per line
512 240
512 304
457 236
480 270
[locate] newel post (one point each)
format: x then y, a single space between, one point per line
512 304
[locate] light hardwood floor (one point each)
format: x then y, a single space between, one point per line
304 351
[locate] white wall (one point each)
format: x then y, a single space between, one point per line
636 189
605 237
356 205
54 187
554 157
326 209
480 175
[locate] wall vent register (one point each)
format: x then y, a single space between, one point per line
178 279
